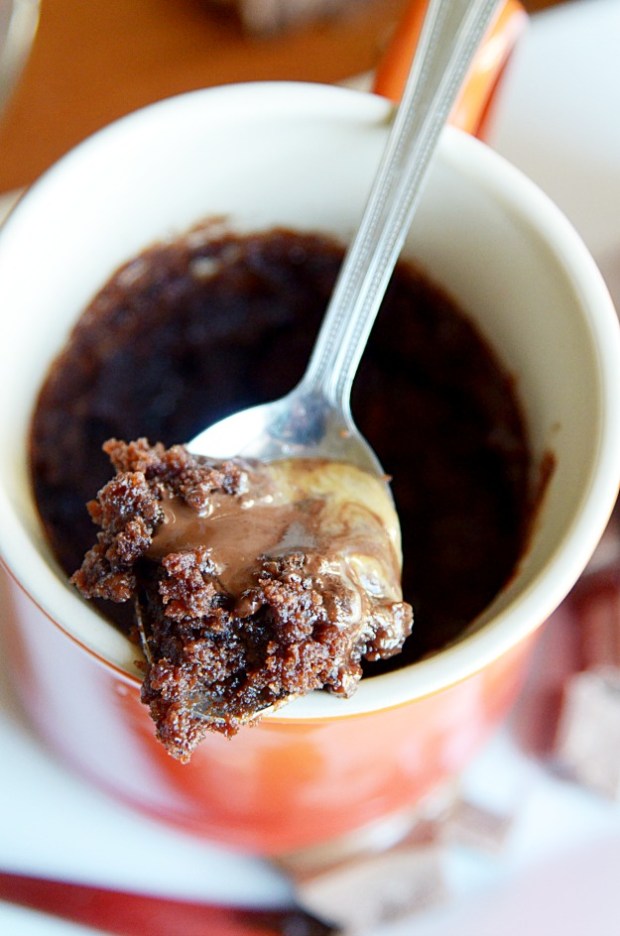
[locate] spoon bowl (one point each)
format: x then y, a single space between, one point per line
298 425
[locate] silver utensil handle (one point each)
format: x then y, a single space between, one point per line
451 34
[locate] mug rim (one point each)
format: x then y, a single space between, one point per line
511 624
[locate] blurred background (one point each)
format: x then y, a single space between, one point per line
94 61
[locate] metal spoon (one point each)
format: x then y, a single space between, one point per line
314 420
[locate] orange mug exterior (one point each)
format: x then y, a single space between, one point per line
472 106
279 786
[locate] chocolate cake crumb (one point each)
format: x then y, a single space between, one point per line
223 644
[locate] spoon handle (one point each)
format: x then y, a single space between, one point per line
451 33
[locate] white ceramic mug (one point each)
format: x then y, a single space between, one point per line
302 156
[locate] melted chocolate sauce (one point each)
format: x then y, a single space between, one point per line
235 535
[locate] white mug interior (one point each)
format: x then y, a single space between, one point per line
302 156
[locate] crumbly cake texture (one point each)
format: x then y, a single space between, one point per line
213 660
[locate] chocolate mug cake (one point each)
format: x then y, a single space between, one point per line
198 327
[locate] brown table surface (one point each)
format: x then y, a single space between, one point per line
95 60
